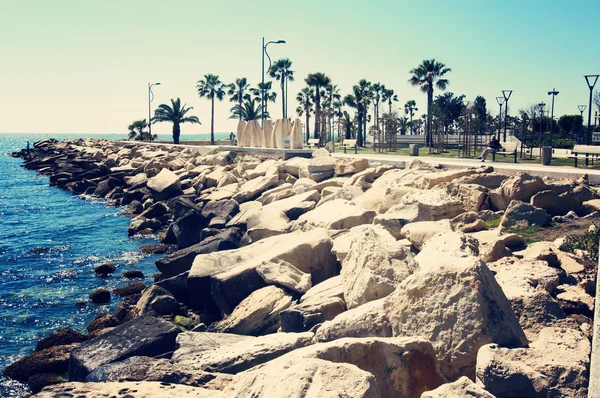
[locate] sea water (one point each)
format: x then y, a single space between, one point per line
50 243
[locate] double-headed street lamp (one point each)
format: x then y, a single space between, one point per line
500 101
150 99
553 93
506 94
588 79
262 88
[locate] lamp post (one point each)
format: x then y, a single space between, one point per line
541 106
500 101
581 110
553 93
506 94
262 88
588 80
150 99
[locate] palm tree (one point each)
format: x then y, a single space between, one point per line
175 114
389 96
305 100
409 109
377 91
318 81
281 71
248 111
137 132
211 87
427 75
269 96
333 96
237 90
337 106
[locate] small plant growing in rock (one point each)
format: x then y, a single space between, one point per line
587 242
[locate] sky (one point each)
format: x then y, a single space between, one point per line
73 66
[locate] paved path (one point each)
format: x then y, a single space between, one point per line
501 167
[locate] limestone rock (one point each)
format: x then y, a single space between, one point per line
519 187
329 288
253 188
488 180
156 299
461 388
336 214
144 389
341 243
381 198
399 216
304 316
282 273
420 232
376 263
294 206
350 166
440 204
164 185
556 364
447 249
468 222
520 215
236 356
52 359
264 224
257 314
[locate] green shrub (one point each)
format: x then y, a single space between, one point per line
587 242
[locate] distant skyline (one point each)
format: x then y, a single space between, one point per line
72 66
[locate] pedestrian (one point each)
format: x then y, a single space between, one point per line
492 147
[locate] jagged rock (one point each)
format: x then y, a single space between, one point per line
53 359
318 168
253 188
468 222
257 314
102 321
346 193
155 248
336 214
350 166
230 276
519 187
284 274
399 216
294 206
420 232
520 215
156 299
151 369
461 388
382 198
304 316
144 336
234 356
329 288
264 224
494 244
142 224
375 264
181 260
488 180
164 185
308 378
223 210
439 203
143 389
556 364
62 336
574 300
38 381
157 210
279 192
447 249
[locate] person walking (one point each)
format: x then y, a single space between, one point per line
492 147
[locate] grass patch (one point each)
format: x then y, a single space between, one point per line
493 223
588 242
530 234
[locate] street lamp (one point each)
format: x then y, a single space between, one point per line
541 106
553 93
262 88
506 94
500 101
588 80
150 99
581 110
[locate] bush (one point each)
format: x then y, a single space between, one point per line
587 242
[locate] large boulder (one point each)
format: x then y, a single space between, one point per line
294 206
144 389
400 215
461 388
53 359
440 204
230 356
264 224
220 212
257 314
376 263
308 378
447 249
381 198
350 166
304 316
181 261
145 336
185 231
164 185
520 187
420 232
230 276
254 188
318 168
336 214
282 273
556 364
158 300
521 215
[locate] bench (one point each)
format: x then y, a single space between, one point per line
584 149
509 148
350 144
313 142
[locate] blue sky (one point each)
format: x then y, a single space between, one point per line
82 66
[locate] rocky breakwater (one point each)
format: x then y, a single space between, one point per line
325 277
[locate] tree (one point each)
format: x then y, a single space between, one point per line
281 71
305 100
317 81
348 123
175 114
237 91
597 100
480 114
409 109
377 91
269 96
570 125
448 108
427 75
389 96
248 111
211 87
137 132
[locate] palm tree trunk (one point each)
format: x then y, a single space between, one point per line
359 140
390 104
429 101
176 133
212 121
317 112
282 97
307 125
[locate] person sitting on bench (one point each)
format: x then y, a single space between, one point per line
492 147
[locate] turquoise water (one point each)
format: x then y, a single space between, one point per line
39 290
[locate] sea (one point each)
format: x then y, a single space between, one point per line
50 243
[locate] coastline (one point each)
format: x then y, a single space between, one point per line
209 207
